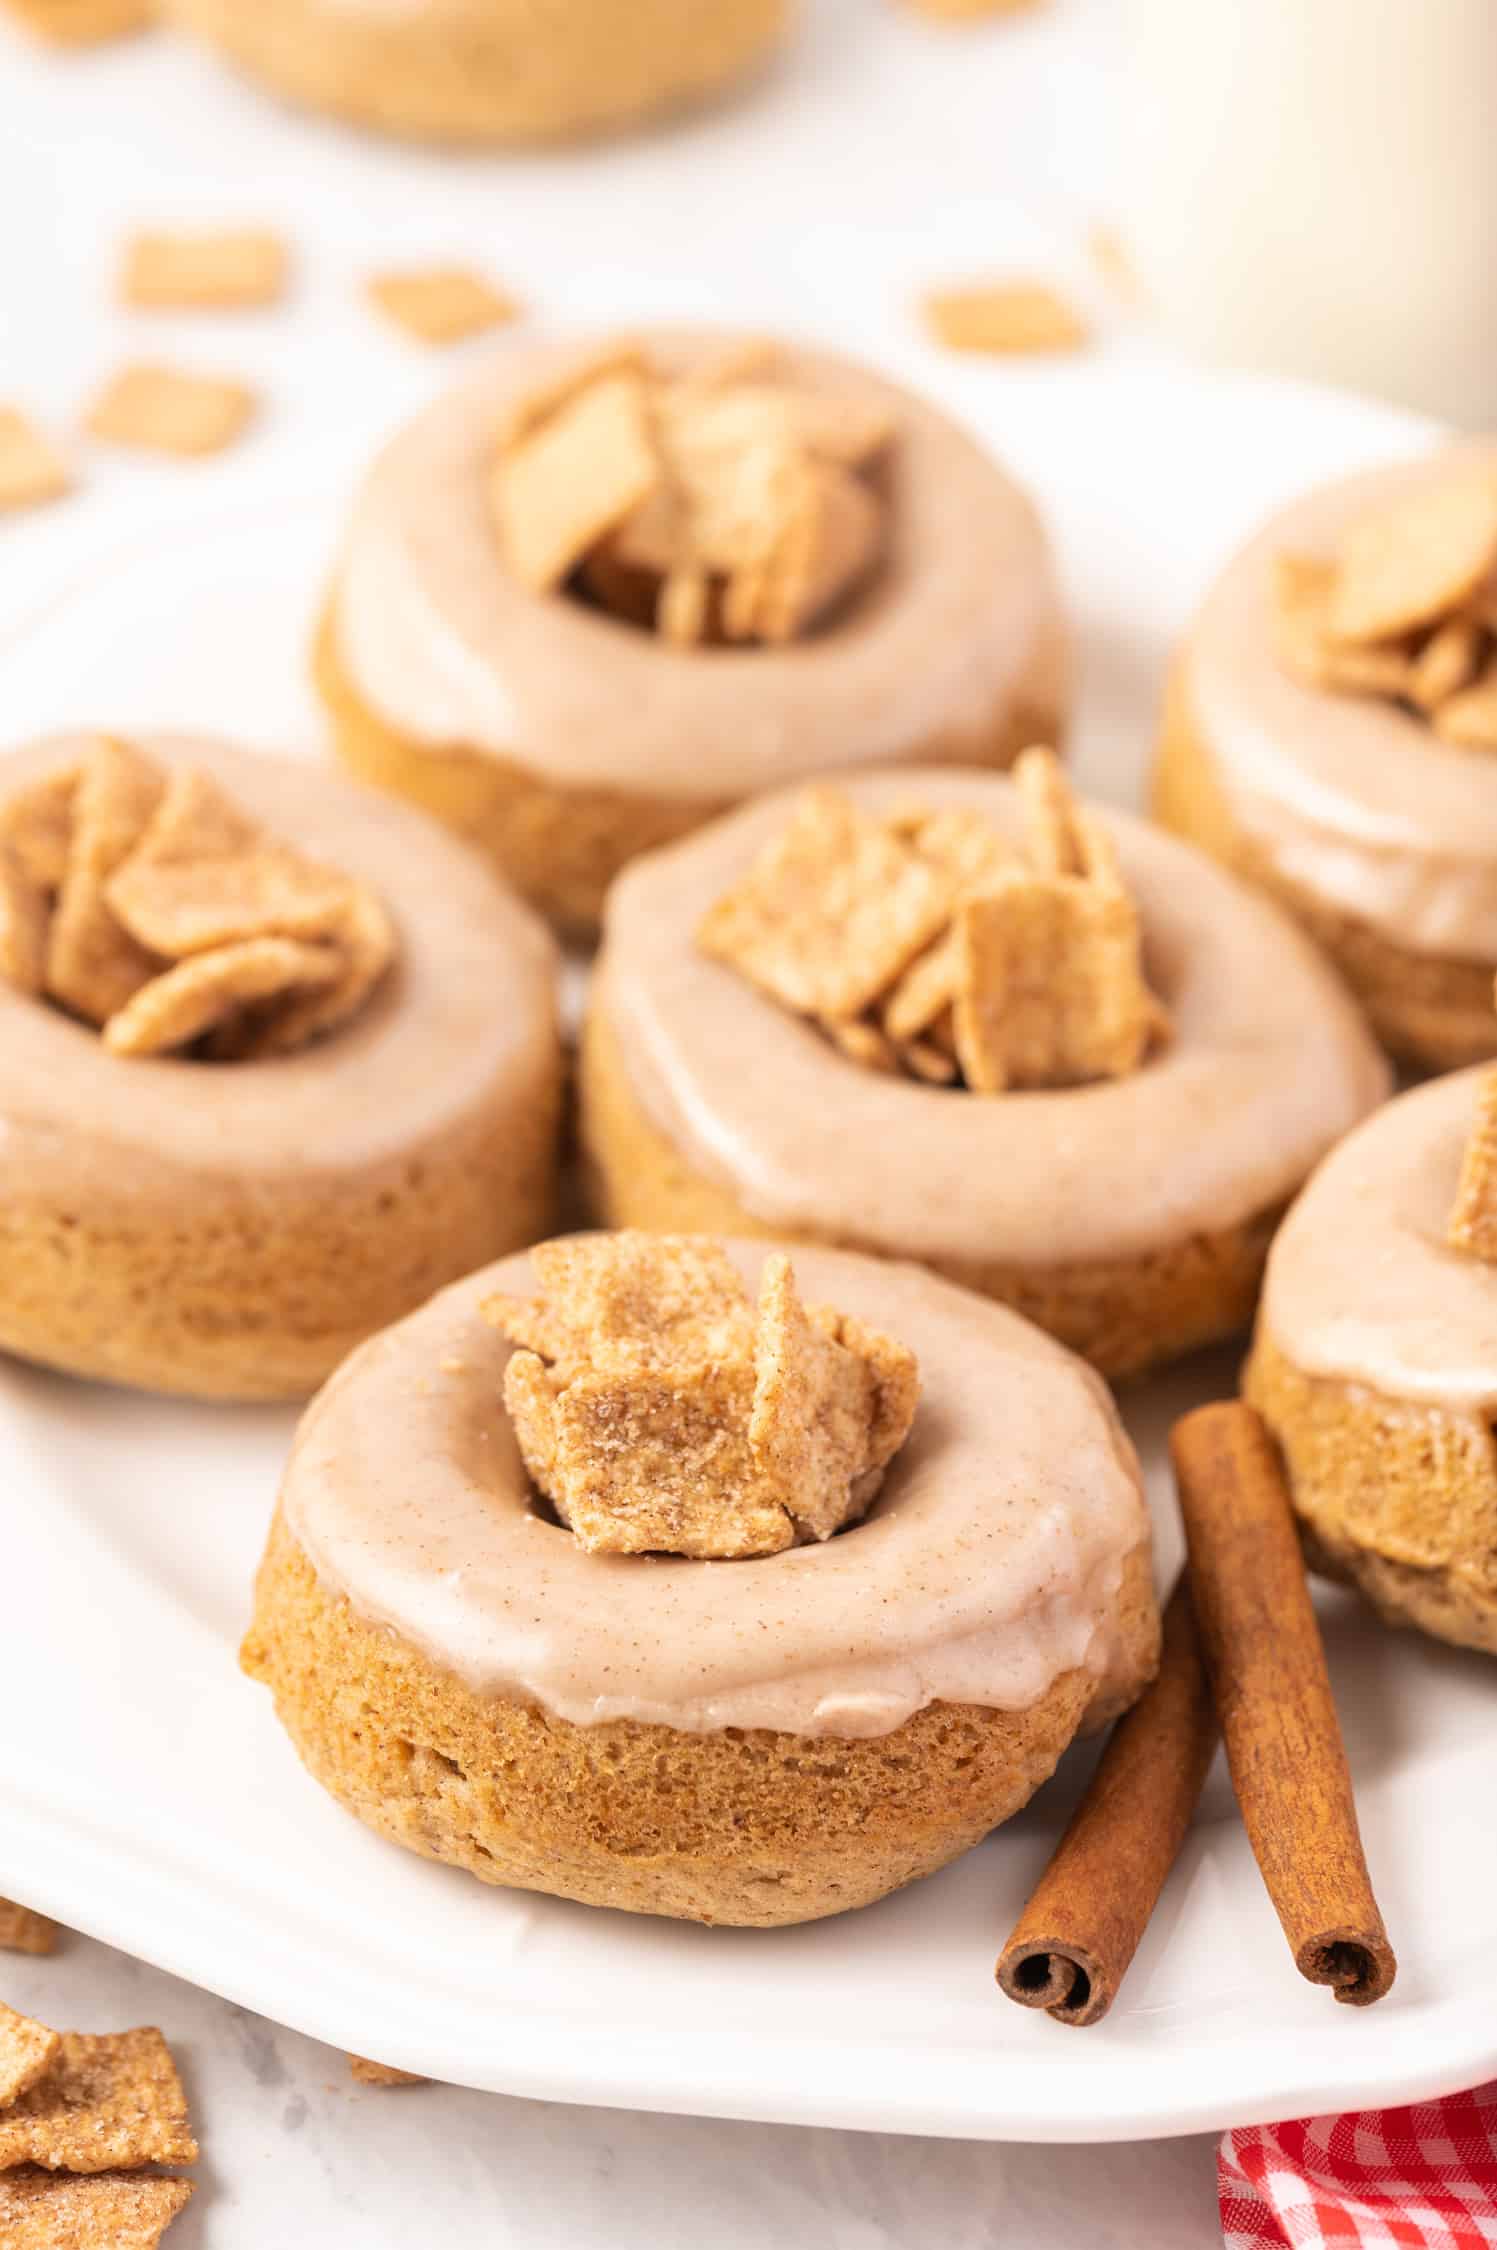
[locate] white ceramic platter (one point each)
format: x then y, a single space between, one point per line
151 1799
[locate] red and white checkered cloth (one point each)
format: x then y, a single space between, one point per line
1423 2178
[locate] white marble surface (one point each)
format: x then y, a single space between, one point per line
885 155
295 2154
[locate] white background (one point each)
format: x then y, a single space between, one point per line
885 155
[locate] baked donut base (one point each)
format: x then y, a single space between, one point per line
1124 1315
1394 1497
744 1826
1431 1010
513 73
561 848
249 1295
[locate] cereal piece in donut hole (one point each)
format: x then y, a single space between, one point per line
660 1414
1472 1225
93 964
831 911
208 990
630 1300
833 1403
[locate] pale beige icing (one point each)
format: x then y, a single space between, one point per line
464 1020
1268 1066
1362 1285
445 646
1351 798
990 1564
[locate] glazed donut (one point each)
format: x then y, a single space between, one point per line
1130 1218
565 741
490 71
1375 1365
230 1230
1378 837
760 1741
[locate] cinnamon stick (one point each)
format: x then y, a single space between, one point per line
1081 1928
1266 1663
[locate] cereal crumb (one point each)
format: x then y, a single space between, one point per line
1469 719
664 1413
27 2050
1005 318
22 1931
162 410
382 2074
32 471
441 304
228 269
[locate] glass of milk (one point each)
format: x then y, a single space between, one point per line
1311 185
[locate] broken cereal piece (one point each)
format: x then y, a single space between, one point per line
829 542
1469 720
94 966
683 611
925 990
161 410
362 939
1109 256
1448 662
923 1059
441 304
206 990
27 2050
816 1406
573 479
24 916
1005 318
42 2210
22 1931
831 911
382 2074
1412 563
229 269
107 2101
1472 1226
36 825
1304 588
861 1042
31 468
